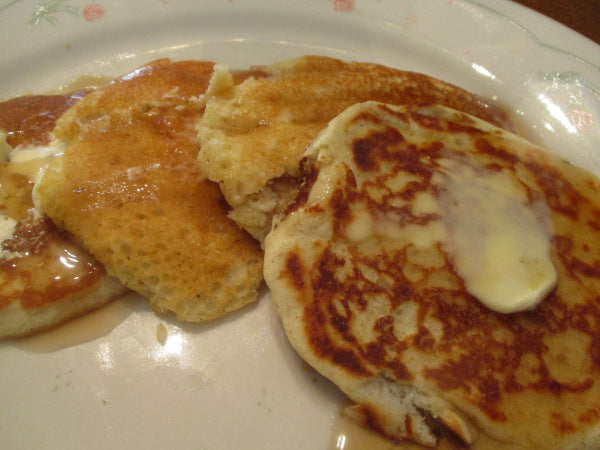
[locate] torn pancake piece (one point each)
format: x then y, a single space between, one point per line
253 134
364 270
129 188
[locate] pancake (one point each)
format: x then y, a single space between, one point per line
45 278
253 135
128 187
369 271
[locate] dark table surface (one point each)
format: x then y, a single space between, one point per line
582 16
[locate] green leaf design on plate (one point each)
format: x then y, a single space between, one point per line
49 9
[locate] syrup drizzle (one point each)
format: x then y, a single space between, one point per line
89 327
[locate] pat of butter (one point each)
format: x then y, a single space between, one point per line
31 161
499 243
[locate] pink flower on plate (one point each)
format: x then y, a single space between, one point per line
343 5
93 11
580 119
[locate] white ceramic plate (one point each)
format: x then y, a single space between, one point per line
107 380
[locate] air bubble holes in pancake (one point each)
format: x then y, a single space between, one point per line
125 249
146 107
153 280
226 163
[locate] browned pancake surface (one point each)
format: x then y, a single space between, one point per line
253 135
392 323
130 189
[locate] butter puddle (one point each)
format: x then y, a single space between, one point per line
83 329
499 239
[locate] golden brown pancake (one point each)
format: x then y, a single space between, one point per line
130 190
365 273
253 135
45 278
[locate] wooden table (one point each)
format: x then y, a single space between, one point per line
582 16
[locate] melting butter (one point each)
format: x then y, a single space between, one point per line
31 161
498 241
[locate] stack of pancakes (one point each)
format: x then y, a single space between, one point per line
253 134
368 286
351 176
128 190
